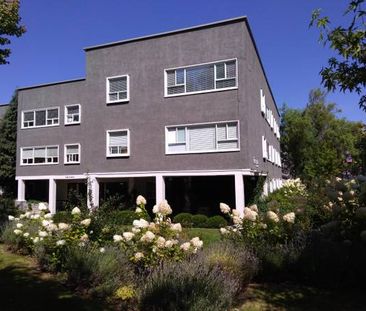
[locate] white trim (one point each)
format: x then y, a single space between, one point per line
128 90
205 91
65 154
109 155
186 126
65 115
37 164
39 126
245 172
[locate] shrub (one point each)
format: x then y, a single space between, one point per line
190 285
184 218
7 207
233 259
216 222
199 221
62 216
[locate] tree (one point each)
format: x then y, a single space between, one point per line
9 26
8 135
314 142
348 71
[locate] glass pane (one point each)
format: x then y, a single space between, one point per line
225 83
122 95
170 77
118 85
180 76
220 71
52 114
231 69
113 97
72 149
40 117
200 78
72 109
175 90
28 116
181 135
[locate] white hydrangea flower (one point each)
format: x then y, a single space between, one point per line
148 237
155 209
160 242
52 227
18 231
11 218
22 216
164 208
197 243
35 216
26 234
48 216
128 236
86 222
250 214
237 220
169 244
224 231
42 234
176 227
235 212
45 223
140 200
136 230
102 250
19 225
17 219
60 242
117 238
75 211
42 206
84 237
289 217
36 240
138 210
138 256
254 208
224 208
142 223
272 216
186 246
63 226
27 214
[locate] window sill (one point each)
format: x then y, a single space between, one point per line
201 92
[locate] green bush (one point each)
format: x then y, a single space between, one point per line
62 216
185 219
191 285
199 221
216 222
7 207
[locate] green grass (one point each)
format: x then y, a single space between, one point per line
24 287
208 236
290 297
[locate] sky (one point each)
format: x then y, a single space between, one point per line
58 30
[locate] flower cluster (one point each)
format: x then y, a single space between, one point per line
148 243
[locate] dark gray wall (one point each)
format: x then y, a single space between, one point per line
148 112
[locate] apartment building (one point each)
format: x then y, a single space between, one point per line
186 115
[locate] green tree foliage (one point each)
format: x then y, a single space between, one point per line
9 26
347 71
314 141
8 135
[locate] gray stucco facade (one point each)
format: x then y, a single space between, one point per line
148 111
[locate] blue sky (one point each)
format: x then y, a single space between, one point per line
57 31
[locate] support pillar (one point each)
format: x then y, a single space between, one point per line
52 196
159 188
21 190
93 192
239 193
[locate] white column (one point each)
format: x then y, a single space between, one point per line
52 195
159 188
265 188
93 192
239 193
21 190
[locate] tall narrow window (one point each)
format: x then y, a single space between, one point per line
118 89
72 154
201 78
118 143
72 114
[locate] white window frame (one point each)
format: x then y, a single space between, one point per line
167 152
34 118
66 114
36 164
65 154
128 89
108 154
205 91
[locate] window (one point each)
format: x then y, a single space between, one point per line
40 118
118 143
39 155
201 78
72 154
197 138
118 89
72 114
264 148
263 102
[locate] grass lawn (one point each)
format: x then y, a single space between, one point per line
208 236
24 287
290 297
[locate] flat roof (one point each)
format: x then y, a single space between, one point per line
168 33
49 84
